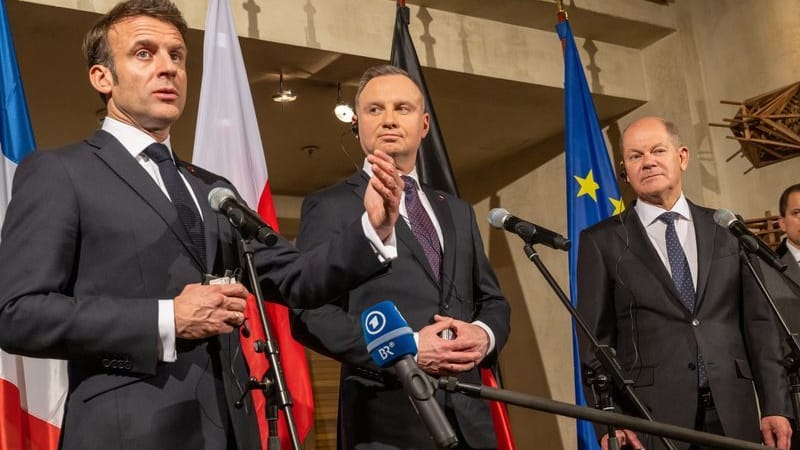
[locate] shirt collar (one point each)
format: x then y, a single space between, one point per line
648 213
133 139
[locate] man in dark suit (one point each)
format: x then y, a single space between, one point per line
105 244
785 292
439 279
664 285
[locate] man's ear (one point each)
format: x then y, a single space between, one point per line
101 79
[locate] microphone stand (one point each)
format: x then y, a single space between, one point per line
451 384
601 383
792 360
272 383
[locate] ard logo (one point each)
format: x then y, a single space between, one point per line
375 322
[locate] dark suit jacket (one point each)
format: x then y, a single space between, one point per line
629 300
373 410
786 295
89 245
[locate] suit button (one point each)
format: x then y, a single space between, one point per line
691 366
128 365
106 362
695 322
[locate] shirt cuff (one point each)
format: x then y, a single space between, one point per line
386 251
489 332
416 342
166 331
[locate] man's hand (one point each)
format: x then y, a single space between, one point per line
438 356
777 432
468 337
382 199
624 437
202 311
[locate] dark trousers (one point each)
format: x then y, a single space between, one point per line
707 419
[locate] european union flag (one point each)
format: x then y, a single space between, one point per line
592 190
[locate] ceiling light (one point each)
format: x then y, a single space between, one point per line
283 95
343 111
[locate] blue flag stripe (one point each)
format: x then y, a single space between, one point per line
16 134
587 156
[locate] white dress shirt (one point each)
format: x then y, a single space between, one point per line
684 227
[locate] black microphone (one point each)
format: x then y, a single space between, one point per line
529 232
390 341
750 242
224 201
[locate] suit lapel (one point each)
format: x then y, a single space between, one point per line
705 233
633 232
792 268
441 209
128 169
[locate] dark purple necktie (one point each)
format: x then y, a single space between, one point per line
422 226
180 196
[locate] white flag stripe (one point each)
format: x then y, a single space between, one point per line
228 134
6 177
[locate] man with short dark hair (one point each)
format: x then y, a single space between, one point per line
439 279
105 244
786 293
665 286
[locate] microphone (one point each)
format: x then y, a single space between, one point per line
223 201
750 242
390 341
529 232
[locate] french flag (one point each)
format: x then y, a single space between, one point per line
32 391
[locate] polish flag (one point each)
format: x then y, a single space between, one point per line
32 391
228 142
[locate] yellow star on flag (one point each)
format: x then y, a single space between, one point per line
588 185
618 204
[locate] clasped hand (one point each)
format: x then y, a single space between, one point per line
439 356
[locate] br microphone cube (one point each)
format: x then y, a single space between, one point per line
387 334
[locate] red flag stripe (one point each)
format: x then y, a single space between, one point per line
20 430
502 426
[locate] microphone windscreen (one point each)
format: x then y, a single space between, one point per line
724 217
387 333
497 216
218 195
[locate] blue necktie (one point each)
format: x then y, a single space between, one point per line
682 277
180 196
422 226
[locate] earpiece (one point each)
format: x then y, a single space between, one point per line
354 127
622 172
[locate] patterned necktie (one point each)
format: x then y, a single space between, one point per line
180 196
682 277
422 226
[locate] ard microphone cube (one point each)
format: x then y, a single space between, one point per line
387 334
